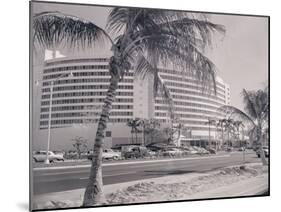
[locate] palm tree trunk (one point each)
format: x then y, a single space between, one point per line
259 138
132 134
222 137
79 154
228 137
209 134
136 136
143 136
94 191
263 160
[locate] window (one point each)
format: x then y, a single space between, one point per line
108 134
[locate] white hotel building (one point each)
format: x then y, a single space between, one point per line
77 100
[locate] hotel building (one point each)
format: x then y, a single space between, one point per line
194 103
79 86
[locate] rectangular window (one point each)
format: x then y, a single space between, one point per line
108 134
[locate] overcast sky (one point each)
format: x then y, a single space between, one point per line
241 55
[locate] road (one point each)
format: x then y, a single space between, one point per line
68 178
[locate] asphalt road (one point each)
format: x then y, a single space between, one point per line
68 178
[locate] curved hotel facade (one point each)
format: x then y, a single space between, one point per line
79 86
194 103
78 96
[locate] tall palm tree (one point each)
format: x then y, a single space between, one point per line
237 125
229 128
177 128
210 122
79 144
145 125
152 125
168 131
222 124
130 124
141 40
255 115
134 124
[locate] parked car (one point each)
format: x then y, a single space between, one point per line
172 152
212 150
265 150
107 154
41 156
229 149
201 150
151 153
110 154
59 152
241 149
136 152
189 150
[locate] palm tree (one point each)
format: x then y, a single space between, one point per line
229 128
221 123
255 115
134 124
220 126
237 125
177 128
144 124
210 122
151 127
79 144
130 124
145 39
168 131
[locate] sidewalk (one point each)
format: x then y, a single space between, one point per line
250 187
226 182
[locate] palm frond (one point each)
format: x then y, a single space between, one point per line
133 19
184 57
237 114
262 101
117 19
52 28
175 50
250 106
144 68
200 31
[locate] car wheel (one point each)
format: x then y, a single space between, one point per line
259 156
115 158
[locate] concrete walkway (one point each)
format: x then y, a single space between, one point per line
250 187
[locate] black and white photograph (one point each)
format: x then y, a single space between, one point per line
133 105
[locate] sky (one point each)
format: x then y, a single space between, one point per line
241 55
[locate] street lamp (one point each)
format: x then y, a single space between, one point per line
47 161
